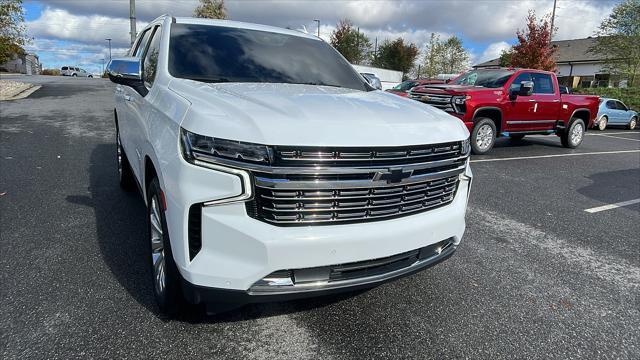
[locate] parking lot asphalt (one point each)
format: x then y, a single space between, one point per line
536 276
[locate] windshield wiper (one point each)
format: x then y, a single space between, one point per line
317 84
209 80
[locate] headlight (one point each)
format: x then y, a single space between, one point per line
466 146
201 147
459 100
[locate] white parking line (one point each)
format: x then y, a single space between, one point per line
615 137
612 206
615 133
557 155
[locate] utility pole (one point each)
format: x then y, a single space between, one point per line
375 49
109 40
553 17
102 73
318 21
132 19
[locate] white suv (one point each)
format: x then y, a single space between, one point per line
271 170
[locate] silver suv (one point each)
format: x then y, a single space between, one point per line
74 71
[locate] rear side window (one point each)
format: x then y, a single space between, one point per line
621 106
64 68
542 84
150 67
142 43
611 105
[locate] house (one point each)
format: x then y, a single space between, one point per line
577 67
24 64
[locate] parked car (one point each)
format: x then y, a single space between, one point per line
511 102
404 87
278 173
615 112
373 80
74 71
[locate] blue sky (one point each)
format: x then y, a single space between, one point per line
72 32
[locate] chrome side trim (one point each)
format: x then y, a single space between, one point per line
520 122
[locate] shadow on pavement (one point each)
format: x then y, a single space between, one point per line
606 187
121 234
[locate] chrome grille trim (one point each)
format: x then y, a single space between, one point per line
436 100
287 207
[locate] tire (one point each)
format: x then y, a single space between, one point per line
164 272
633 123
90 76
516 137
603 123
573 136
125 174
74 75
483 136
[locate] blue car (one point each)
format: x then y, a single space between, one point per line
614 112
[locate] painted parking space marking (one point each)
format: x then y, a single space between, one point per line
556 155
612 206
616 133
616 137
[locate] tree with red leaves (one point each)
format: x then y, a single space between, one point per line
533 50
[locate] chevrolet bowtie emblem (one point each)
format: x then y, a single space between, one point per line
393 175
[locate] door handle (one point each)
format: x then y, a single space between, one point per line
532 100
127 97
556 100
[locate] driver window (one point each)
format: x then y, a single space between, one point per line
621 106
515 85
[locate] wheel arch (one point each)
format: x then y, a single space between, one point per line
491 112
149 173
582 114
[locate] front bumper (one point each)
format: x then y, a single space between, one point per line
416 261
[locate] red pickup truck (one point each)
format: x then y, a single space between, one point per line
511 102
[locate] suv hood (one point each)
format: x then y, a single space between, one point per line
292 114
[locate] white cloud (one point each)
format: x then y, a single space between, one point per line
491 52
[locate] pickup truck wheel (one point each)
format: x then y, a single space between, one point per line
165 276
127 182
483 136
573 137
603 123
516 137
633 123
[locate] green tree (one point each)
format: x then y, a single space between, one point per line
445 57
351 43
455 58
396 55
505 57
211 9
619 40
12 30
432 58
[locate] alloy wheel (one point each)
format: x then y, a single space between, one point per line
577 133
484 137
157 247
119 154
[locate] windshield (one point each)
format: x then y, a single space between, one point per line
485 78
223 54
405 85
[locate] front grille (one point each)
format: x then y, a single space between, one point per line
333 185
334 205
380 156
440 101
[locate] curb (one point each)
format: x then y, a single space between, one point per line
22 94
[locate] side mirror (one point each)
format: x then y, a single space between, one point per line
526 88
126 71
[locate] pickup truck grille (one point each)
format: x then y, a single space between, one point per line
324 186
440 101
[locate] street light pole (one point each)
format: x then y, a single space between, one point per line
132 20
109 40
318 22
102 73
